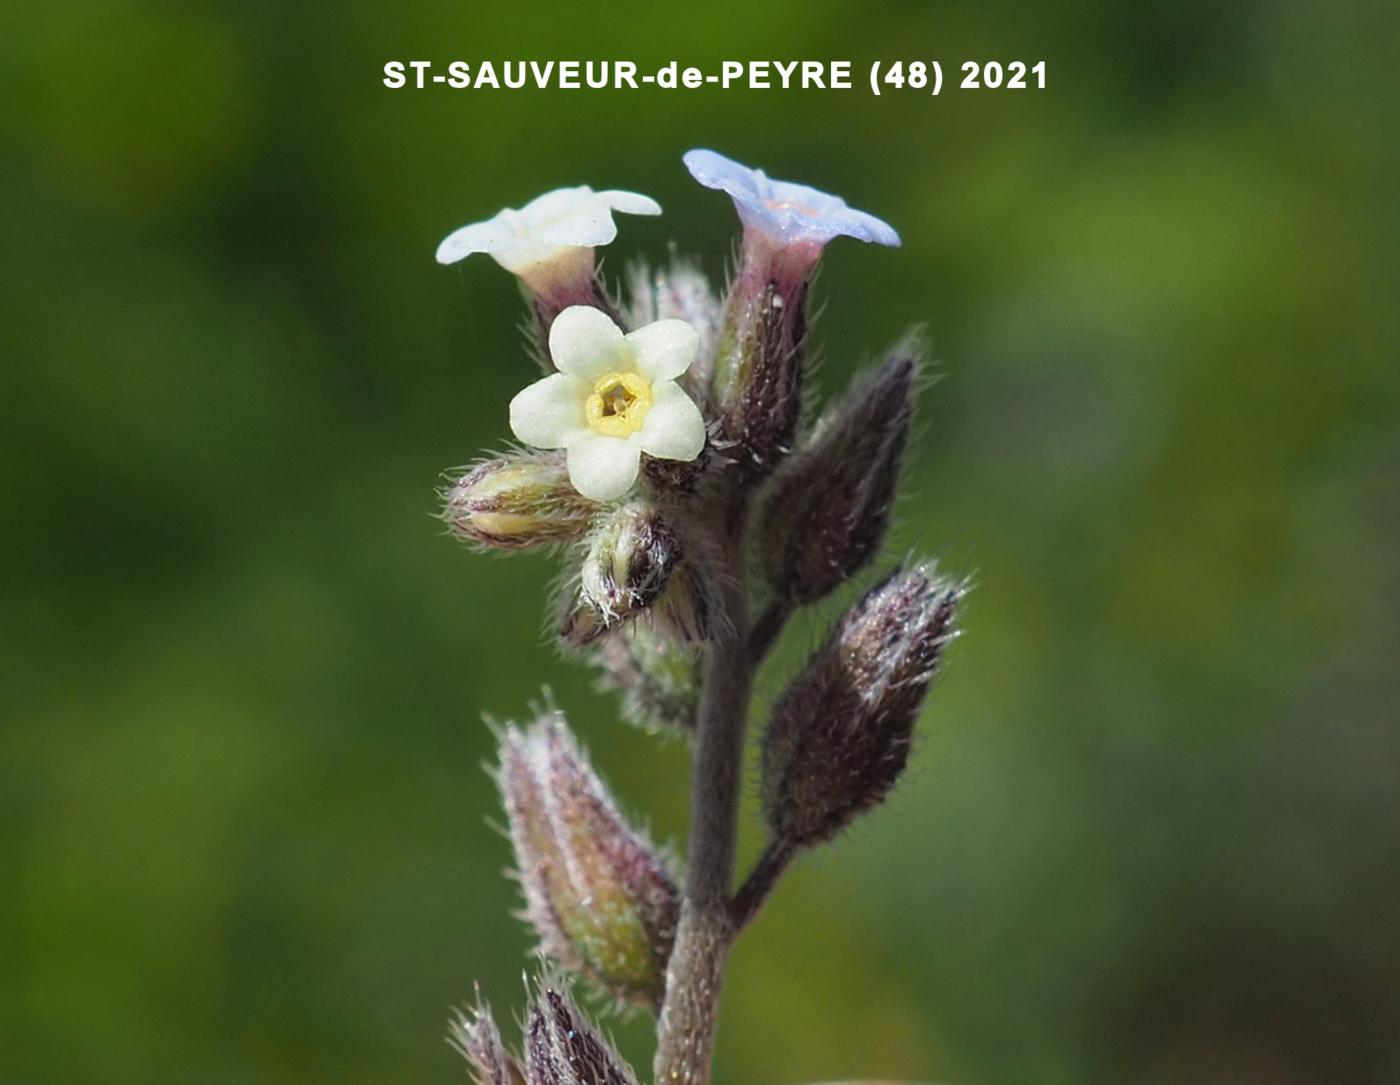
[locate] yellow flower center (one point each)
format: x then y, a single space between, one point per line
618 405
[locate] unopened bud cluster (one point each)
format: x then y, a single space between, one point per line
664 453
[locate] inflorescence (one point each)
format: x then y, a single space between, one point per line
667 452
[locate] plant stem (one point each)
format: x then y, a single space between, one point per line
766 628
759 883
686 1029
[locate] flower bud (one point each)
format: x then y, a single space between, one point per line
475 1036
658 676
829 507
597 892
839 737
518 502
687 609
760 357
562 1047
679 292
628 565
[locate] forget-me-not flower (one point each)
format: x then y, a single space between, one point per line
550 235
614 397
787 212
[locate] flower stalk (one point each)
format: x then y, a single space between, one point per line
685 1031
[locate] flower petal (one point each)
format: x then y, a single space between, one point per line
673 429
714 170
664 350
554 205
584 342
864 226
490 236
630 203
563 218
587 225
550 411
603 468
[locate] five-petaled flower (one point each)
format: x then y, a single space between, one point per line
562 226
615 396
788 213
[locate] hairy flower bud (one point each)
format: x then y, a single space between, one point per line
658 676
689 607
629 564
839 737
760 356
518 502
562 1047
475 1036
679 292
596 891
829 507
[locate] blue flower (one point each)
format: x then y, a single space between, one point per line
787 212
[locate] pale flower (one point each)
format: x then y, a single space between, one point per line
788 212
615 396
548 229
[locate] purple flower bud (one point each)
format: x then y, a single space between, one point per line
597 892
756 387
562 1047
659 678
829 507
518 502
629 564
839 737
474 1034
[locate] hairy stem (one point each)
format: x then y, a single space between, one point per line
686 1029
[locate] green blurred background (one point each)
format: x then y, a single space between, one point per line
1152 831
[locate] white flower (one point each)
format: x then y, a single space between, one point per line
546 228
615 396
